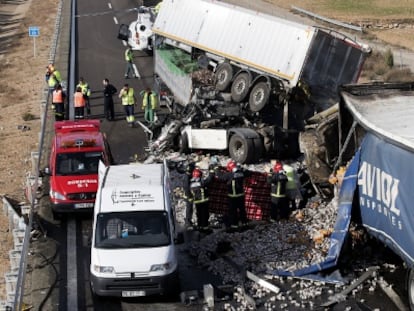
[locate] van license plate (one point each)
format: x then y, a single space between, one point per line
133 293
83 205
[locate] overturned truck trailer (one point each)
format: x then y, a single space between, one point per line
252 77
374 126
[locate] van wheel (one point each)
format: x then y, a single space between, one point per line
259 96
224 75
240 87
183 143
241 149
410 288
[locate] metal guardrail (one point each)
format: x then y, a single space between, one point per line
327 20
19 294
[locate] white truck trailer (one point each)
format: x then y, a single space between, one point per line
263 75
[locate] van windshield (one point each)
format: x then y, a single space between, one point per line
132 230
78 163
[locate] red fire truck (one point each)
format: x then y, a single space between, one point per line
76 150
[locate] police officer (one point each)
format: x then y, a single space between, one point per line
149 104
53 80
109 91
58 99
86 91
279 205
199 196
292 186
234 178
128 101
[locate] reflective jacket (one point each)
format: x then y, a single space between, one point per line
277 183
85 88
152 99
79 100
234 181
128 55
199 190
128 98
58 97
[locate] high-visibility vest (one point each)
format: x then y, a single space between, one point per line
128 55
52 81
85 88
153 100
57 97
128 98
290 173
78 99
278 185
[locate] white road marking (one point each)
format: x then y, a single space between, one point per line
72 273
109 5
124 43
115 20
136 71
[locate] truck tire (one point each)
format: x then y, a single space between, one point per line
240 87
224 75
241 149
183 143
410 288
259 96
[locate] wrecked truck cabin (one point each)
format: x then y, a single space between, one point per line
238 87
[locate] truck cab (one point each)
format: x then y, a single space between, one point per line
133 250
76 150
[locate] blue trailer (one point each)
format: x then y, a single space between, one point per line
371 133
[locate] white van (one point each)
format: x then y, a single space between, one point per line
133 252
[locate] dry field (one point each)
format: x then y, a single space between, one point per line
22 76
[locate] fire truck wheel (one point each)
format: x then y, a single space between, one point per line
240 87
410 288
259 96
241 149
224 75
183 143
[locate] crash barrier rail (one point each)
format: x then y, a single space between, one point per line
21 219
327 20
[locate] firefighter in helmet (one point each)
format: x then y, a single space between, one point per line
279 204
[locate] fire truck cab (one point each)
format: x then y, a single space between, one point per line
76 150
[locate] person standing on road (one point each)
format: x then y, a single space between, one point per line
86 91
279 204
149 104
199 196
109 91
54 80
79 103
129 58
187 171
58 101
128 101
234 178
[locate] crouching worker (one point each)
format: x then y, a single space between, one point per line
279 204
199 197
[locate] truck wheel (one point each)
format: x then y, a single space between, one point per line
410 288
183 143
240 87
259 96
241 149
224 74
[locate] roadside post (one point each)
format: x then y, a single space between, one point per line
34 32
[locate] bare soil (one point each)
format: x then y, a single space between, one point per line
22 84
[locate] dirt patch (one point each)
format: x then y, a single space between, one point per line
21 85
